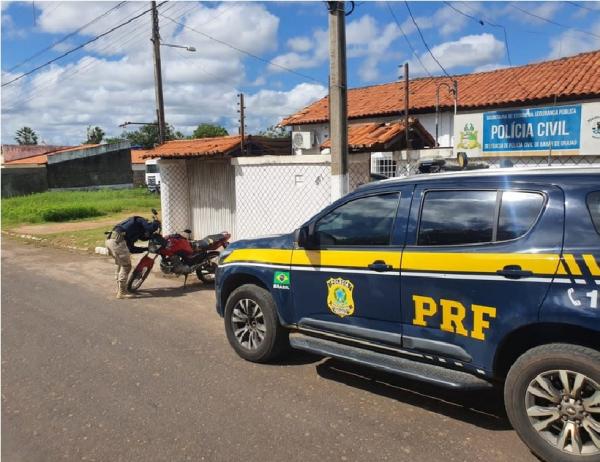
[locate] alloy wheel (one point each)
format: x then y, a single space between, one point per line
248 323
564 408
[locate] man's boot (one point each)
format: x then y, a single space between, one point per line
122 290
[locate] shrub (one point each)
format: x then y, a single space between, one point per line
70 213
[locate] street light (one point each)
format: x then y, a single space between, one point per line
454 92
179 46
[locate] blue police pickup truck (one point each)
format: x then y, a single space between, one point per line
457 279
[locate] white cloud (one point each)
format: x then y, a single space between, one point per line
365 38
300 44
470 50
117 84
542 9
572 42
10 29
490 67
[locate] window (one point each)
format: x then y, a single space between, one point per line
518 212
457 217
385 166
151 168
472 217
364 221
593 203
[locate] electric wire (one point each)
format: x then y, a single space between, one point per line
550 21
69 72
79 47
66 37
583 7
242 51
424 41
414 52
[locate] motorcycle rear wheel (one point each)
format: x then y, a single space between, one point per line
137 278
206 273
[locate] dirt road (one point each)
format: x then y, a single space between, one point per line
87 377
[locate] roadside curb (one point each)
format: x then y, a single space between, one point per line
31 237
101 250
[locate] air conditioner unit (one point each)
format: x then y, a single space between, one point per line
302 140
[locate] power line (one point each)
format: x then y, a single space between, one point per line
423 40
550 21
66 37
414 52
79 47
583 7
480 21
240 50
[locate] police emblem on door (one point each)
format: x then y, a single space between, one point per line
339 297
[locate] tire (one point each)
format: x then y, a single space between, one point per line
137 278
207 273
534 393
248 343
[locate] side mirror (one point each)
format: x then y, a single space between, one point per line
306 238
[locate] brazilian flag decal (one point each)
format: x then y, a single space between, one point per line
281 280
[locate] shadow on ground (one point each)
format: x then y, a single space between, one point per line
174 291
484 408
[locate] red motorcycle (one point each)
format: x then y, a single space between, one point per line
180 255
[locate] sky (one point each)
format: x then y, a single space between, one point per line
276 53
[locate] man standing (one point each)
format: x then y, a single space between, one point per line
121 244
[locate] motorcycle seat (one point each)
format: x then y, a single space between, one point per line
209 240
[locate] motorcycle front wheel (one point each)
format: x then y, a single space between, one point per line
206 273
140 273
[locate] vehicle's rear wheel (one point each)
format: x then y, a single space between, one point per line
252 325
552 397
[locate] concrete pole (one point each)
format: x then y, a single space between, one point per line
338 100
160 105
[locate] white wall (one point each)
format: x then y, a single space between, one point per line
277 194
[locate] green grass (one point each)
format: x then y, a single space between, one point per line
57 206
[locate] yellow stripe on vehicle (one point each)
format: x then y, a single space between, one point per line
345 258
572 264
274 256
478 262
592 265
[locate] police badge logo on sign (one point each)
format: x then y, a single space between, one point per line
339 297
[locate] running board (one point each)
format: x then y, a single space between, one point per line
411 369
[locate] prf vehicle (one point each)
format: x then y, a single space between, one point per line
457 279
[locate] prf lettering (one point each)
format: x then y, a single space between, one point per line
453 315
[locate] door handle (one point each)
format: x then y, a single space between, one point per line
380 266
514 272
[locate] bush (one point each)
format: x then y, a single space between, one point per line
70 213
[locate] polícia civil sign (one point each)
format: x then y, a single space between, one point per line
532 129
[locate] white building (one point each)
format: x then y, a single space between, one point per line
529 114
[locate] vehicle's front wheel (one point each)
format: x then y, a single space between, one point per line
252 325
552 397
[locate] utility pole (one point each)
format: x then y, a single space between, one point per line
160 105
242 124
406 126
338 100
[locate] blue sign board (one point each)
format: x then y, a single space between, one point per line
534 129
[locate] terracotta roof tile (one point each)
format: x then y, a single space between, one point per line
372 136
39 160
200 147
569 78
138 155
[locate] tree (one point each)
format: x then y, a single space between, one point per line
147 135
275 132
209 131
26 135
94 135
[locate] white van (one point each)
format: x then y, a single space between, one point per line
152 175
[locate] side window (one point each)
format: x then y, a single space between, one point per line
518 212
457 217
593 203
364 221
